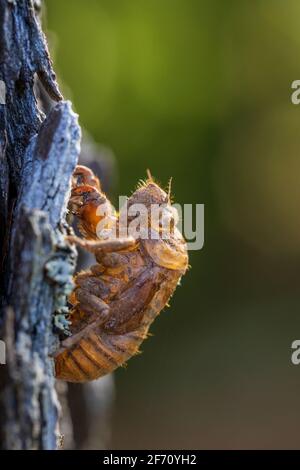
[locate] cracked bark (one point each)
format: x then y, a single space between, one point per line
38 154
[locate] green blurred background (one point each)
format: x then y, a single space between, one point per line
200 90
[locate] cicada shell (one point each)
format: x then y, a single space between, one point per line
117 299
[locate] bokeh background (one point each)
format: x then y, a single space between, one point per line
200 90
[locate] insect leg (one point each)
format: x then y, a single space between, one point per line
91 304
92 284
103 246
84 175
89 204
111 260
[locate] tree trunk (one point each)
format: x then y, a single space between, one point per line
37 157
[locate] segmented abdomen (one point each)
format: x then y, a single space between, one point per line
96 355
99 352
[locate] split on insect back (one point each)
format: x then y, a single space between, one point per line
117 299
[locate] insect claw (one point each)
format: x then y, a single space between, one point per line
83 175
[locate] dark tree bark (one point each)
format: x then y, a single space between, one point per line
37 157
